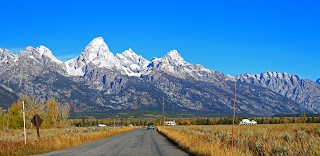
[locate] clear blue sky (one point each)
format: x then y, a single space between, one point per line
234 37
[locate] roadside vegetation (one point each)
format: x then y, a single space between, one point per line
56 132
12 142
53 114
258 140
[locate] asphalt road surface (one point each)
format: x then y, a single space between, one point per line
140 142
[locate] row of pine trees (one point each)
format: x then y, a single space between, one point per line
53 115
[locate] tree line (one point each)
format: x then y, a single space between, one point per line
260 120
85 122
56 116
53 114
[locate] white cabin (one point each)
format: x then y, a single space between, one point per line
170 123
247 122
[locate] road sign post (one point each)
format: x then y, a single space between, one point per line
37 121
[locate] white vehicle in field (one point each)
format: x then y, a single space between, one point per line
170 123
247 122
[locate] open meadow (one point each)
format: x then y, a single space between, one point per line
260 140
12 141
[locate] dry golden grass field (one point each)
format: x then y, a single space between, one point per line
260 140
12 141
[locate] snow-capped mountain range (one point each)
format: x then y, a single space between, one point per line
98 80
128 63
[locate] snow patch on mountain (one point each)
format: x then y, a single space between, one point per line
73 69
133 64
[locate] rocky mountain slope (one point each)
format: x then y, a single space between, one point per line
304 92
7 97
98 81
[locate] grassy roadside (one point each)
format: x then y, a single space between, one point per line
193 144
284 139
12 143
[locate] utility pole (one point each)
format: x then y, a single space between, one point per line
24 124
234 112
114 123
163 111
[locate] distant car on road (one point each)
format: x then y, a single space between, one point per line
150 126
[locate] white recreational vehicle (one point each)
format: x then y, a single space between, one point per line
170 123
247 122
102 125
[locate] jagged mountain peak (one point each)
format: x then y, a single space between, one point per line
97 46
268 75
277 74
29 50
3 50
44 50
174 56
132 63
7 57
131 56
38 53
47 52
4 53
174 64
169 61
98 41
97 53
129 53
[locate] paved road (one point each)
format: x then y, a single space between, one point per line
140 142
